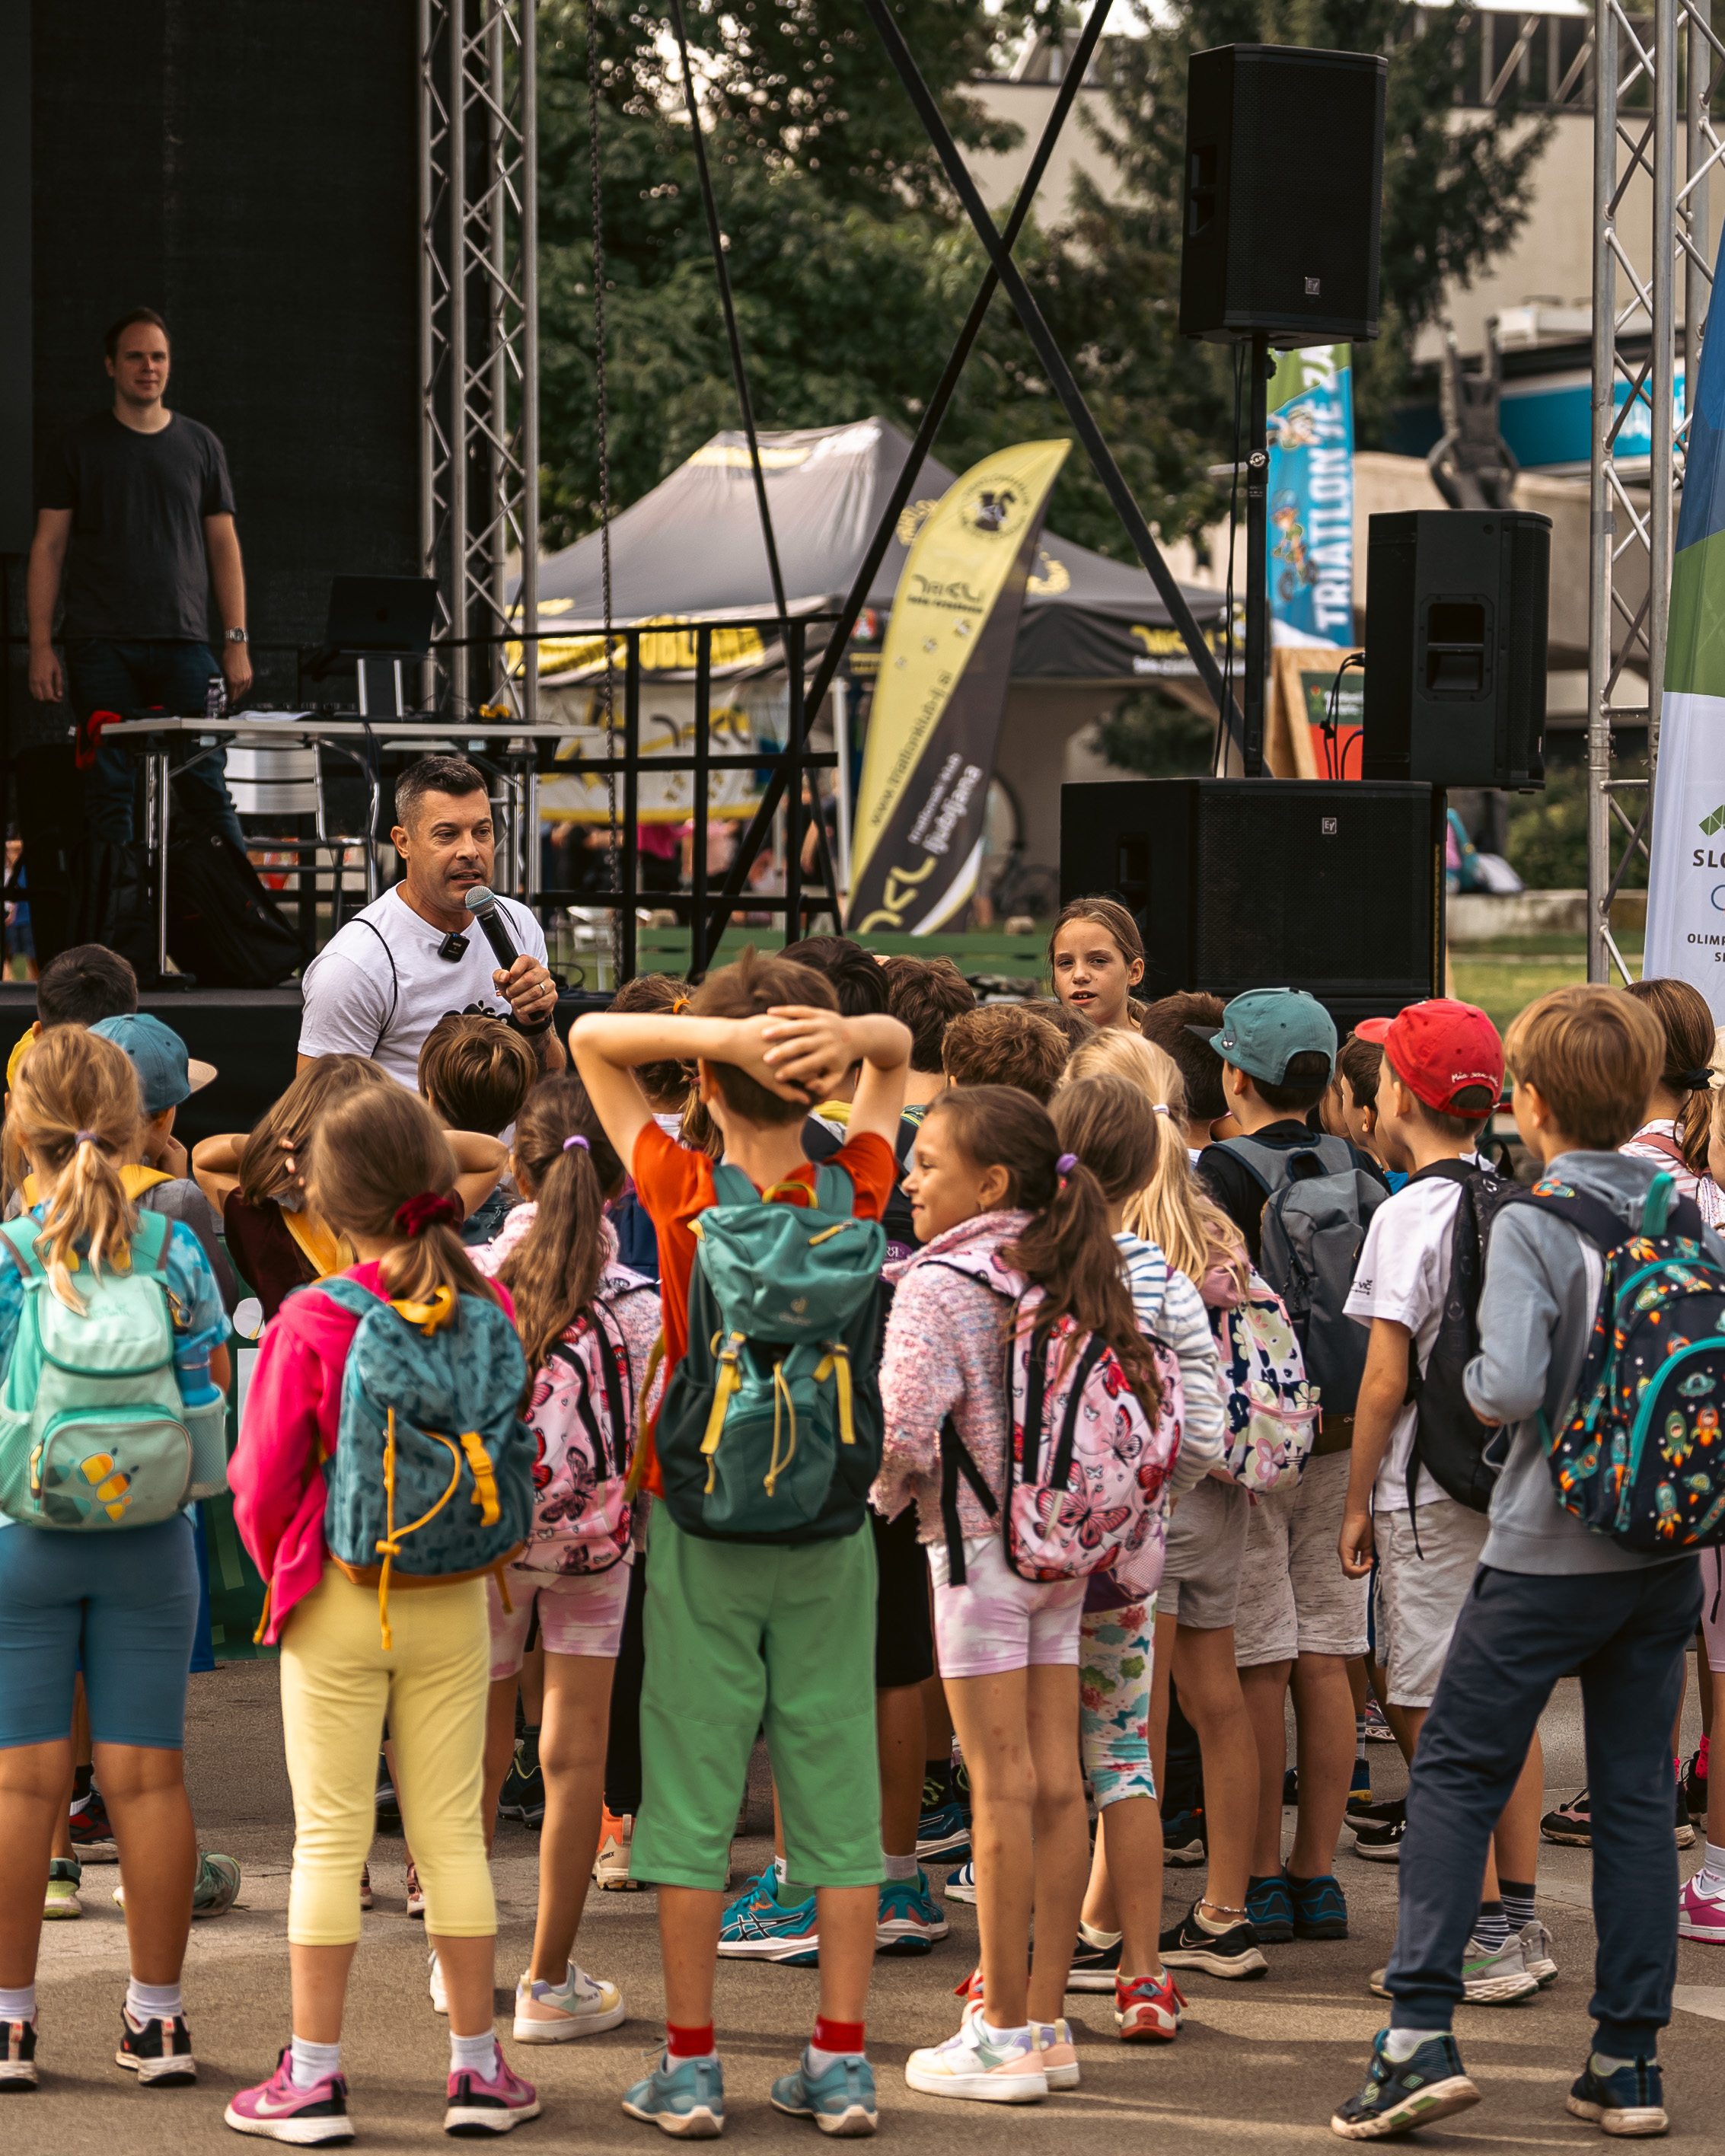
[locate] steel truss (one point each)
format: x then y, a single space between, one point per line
479 347
1645 66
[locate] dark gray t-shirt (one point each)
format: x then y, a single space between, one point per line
138 567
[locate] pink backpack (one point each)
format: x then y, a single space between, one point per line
582 1415
1086 1468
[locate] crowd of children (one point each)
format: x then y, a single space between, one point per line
1004 1411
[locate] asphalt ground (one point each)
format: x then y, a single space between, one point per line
1256 2066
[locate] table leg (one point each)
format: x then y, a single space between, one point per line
162 790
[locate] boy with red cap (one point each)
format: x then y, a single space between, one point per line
1441 1077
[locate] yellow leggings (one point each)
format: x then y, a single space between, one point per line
337 1683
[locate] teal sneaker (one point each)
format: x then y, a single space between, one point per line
1396 2098
684 2097
910 1919
757 1926
840 2102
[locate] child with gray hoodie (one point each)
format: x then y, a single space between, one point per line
1550 1596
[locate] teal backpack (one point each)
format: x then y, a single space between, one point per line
94 1434
771 1426
432 1470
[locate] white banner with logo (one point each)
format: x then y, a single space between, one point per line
1685 894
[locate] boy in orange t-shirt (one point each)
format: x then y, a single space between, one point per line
738 1633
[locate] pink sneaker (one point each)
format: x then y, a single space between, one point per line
1146 2009
277 2111
1701 1910
1059 2054
494 2106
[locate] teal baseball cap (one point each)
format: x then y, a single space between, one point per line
1263 1028
166 1075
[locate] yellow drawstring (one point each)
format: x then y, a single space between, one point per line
837 1360
484 1478
390 1548
728 1382
264 1621
429 1315
503 1588
781 1391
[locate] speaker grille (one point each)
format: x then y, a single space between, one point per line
1315 891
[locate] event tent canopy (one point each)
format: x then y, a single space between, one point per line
692 550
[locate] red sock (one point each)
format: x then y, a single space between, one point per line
837 2035
689 2043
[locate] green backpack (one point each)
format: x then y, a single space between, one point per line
94 1434
770 1428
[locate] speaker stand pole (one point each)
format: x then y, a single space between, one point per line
1257 594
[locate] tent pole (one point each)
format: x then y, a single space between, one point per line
841 777
934 412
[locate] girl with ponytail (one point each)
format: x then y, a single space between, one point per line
381 1173
127 1598
587 1325
989 1180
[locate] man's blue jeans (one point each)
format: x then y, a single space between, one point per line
129 678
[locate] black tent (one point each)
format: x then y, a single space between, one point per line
692 551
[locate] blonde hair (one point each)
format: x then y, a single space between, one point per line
1170 1211
372 1151
1593 1054
75 1107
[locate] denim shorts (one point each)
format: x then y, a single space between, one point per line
126 1604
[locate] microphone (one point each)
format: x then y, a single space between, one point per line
483 905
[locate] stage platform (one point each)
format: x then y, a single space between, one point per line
251 1035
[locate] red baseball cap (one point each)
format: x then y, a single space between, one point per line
1439 1047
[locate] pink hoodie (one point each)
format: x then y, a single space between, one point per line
293 1411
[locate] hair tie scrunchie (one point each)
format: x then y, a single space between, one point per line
577 1140
94 1136
1161 1108
1066 1164
1694 1082
678 1006
428 1210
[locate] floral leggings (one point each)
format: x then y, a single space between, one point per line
1117 1654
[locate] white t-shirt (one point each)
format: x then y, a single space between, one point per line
363 999
1404 1274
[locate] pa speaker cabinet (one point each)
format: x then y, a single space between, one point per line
1283 183
1336 887
1457 605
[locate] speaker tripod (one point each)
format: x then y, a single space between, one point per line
1257 594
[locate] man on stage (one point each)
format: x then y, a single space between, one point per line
139 498
378 987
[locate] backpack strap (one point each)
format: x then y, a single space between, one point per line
615 1409
361 922
1272 1166
731 1186
19 1238
1447 1171
834 1189
956 1460
1589 1216
150 1242
149 1245
346 1295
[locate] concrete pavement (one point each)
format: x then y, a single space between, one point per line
1256 2066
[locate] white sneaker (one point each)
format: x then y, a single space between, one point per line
972 2065
961 1885
1536 1952
610 1866
582 2005
439 1997
1487 1980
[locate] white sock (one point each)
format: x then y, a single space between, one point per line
781 1869
898 1867
817 2061
1401 2045
475 2055
153 2002
308 2063
19 2005
993 2035
1713 1864
1094 1936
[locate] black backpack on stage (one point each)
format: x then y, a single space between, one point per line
223 925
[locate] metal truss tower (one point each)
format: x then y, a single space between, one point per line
1651 272
478 341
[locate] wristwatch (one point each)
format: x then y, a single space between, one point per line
236 636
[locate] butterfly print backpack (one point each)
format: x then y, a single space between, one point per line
1086 1468
580 1414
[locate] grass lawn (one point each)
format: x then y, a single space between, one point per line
1504 978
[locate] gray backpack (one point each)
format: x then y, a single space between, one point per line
1319 1203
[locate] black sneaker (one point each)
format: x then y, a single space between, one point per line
1183 1838
158 2052
1269 1908
1685 1825
1570 1824
1361 1812
1094 1968
523 1794
1396 2098
1381 1841
1629 2102
1231 1953
387 1802
1320 1907
92 1830
1695 1786
18 2057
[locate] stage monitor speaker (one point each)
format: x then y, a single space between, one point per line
1283 183
1456 604
1253 883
